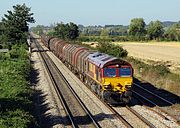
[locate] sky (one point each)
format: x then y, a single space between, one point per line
97 12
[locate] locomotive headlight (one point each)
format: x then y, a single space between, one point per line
117 65
128 83
107 85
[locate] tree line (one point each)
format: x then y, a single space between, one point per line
63 31
138 30
153 31
67 31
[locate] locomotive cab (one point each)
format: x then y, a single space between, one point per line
118 80
113 77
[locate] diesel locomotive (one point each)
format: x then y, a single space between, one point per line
110 77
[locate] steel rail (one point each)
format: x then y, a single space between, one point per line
45 58
140 117
154 94
65 106
154 104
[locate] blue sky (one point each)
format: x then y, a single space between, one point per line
97 12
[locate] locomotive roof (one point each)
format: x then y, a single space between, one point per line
101 59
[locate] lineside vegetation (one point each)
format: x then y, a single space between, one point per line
158 75
16 107
15 92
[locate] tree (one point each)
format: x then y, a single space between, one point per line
73 31
16 23
66 31
155 30
38 29
173 33
61 31
1 28
137 27
112 49
104 32
3 38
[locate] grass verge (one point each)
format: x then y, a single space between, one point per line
158 75
15 93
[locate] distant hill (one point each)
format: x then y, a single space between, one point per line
168 23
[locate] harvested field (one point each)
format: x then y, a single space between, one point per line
161 52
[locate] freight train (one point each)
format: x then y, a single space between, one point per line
110 77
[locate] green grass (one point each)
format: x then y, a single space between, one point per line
15 93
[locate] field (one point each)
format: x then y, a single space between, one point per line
167 53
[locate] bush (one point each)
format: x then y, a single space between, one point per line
112 49
18 51
161 69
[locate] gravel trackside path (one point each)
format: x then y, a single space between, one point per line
153 117
49 111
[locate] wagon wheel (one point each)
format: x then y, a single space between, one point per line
86 81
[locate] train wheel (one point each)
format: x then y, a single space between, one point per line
93 87
89 82
86 81
83 78
99 89
126 100
102 95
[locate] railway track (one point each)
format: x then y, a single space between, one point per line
116 113
157 99
120 116
133 113
154 100
78 114
128 110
